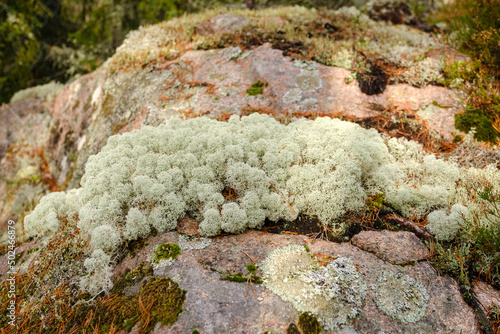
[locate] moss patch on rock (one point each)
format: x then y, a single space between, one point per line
166 299
474 118
131 277
166 252
292 329
159 300
309 324
240 278
256 88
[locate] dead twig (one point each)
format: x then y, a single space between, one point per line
420 231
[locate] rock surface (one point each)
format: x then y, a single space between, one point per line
487 296
393 247
214 83
215 305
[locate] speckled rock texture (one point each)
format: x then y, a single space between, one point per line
215 305
393 247
486 295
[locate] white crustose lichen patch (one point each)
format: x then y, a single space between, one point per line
333 293
401 297
193 242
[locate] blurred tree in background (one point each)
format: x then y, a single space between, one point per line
20 25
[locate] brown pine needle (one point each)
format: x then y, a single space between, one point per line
249 257
283 197
249 280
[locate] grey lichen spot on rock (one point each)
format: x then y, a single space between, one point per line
193 242
188 100
305 65
292 96
309 81
428 111
309 103
221 24
308 78
232 110
333 293
217 76
45 92
247 54
401 297
228 90
232 53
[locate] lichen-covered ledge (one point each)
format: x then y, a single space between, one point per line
163 71
234 175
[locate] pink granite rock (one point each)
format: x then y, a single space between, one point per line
393 247
486 295
215 305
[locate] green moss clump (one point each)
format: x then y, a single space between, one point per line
129 278
166 299
159 300
128 324
32 250
195 332
256 88
18 257
457 139
292 329
235 278
474 118
252 268
436 103
167 251
376 201
162 296
4 299
240 278
409 263
476 29
494 317
460 71
309 324
483 104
